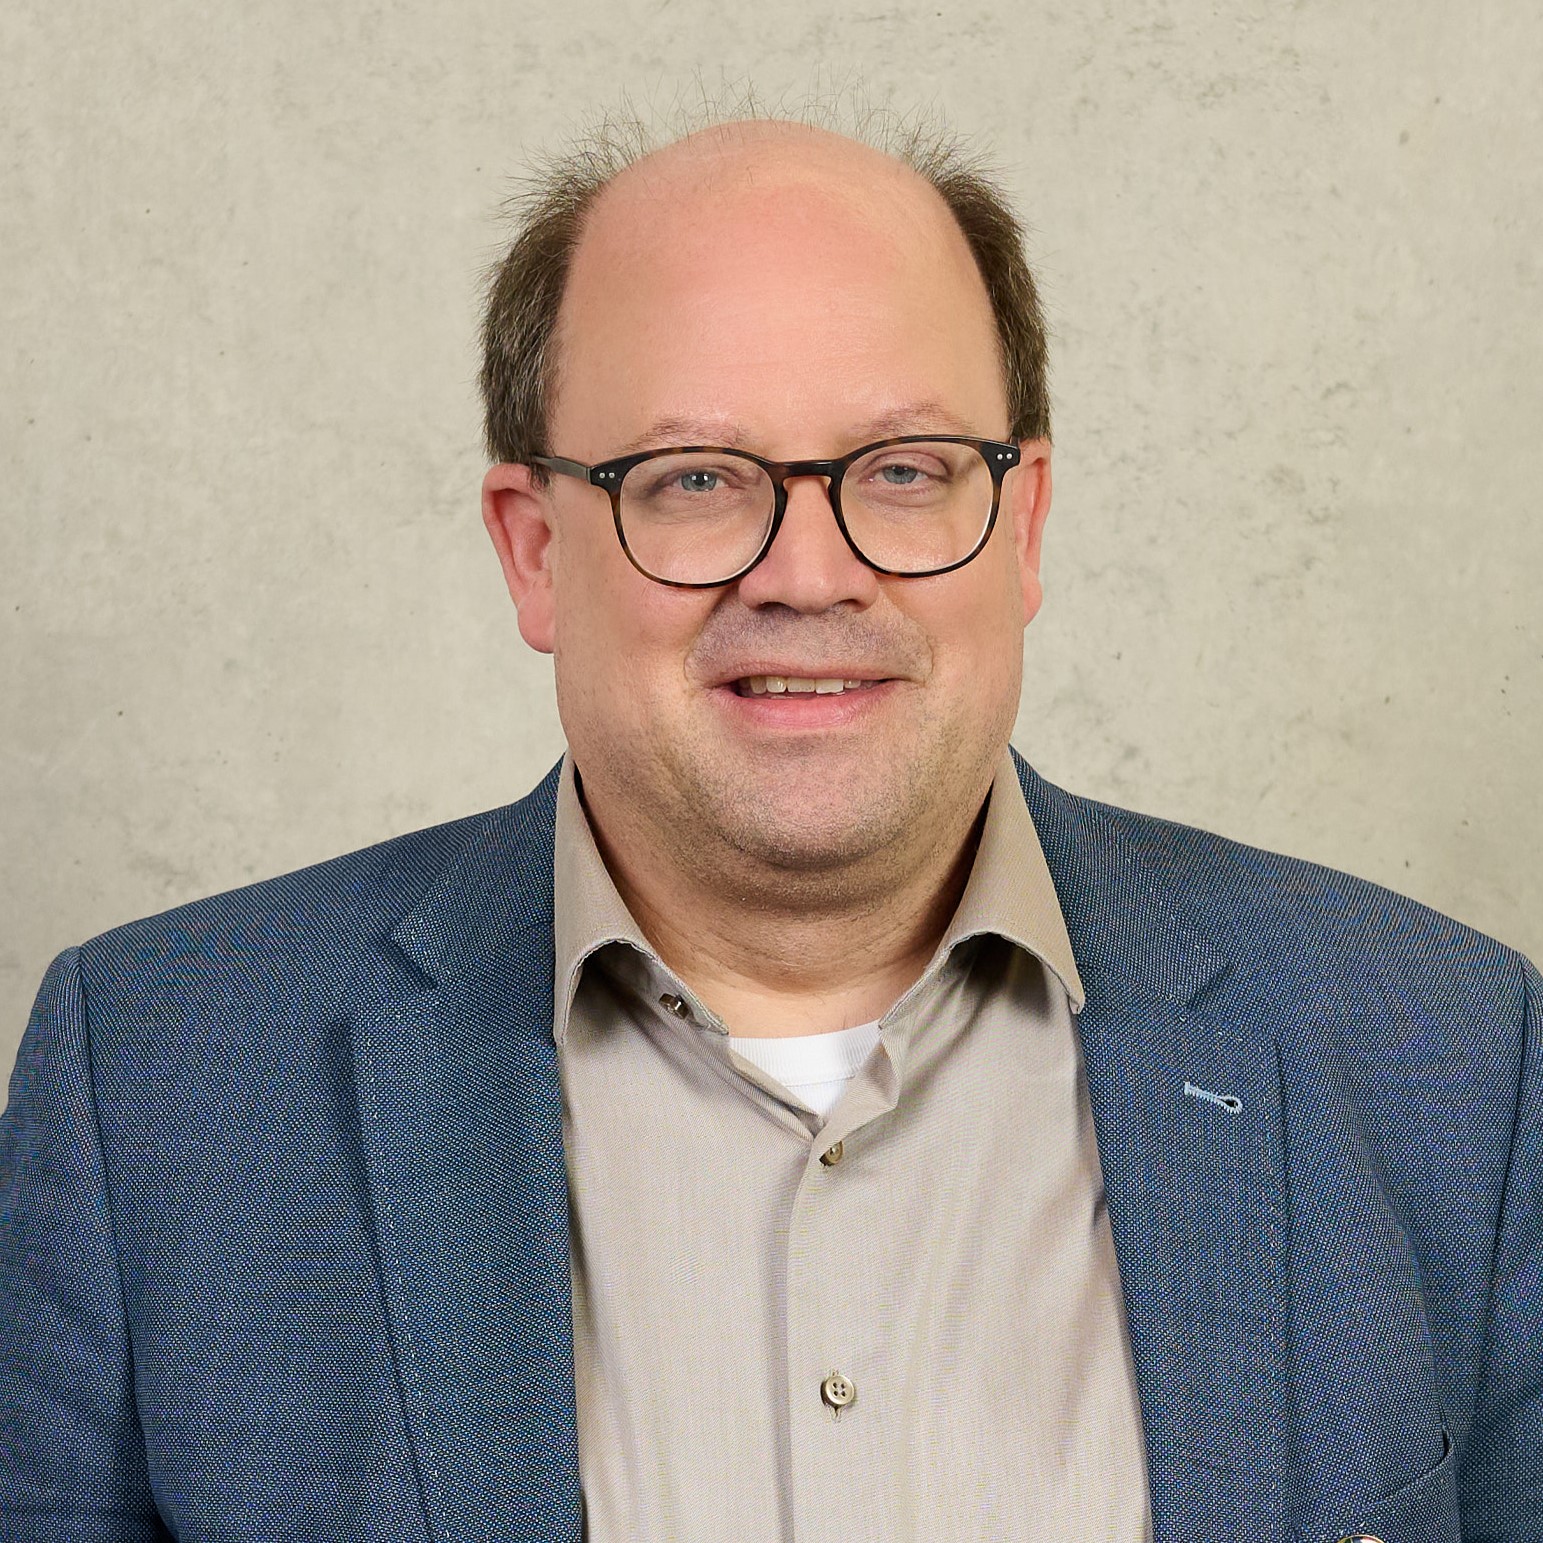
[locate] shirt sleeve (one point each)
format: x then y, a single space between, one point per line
72 1460
1500 1481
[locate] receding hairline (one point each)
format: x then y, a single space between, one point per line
551 204
608 138
741 138
613 144
784 151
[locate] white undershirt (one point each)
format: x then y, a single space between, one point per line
813 1067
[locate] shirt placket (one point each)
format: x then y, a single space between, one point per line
837 1390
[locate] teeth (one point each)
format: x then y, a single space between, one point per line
776 685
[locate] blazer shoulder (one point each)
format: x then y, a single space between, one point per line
311 924
1268 911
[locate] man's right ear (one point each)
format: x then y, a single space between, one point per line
518 515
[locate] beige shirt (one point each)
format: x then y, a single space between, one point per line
901 1321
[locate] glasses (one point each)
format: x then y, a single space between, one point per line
697 516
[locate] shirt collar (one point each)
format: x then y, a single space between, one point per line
587 911
1009 893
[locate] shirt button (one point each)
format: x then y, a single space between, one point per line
1360 1537
838 1391
673 1004
833 1155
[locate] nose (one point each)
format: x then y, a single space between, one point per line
810 567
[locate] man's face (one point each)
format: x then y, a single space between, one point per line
795 295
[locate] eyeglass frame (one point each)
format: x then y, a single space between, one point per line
609 476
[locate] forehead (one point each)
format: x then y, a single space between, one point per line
764 255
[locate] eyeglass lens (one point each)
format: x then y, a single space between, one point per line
698 517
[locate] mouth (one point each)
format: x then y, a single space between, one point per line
802 705
798 685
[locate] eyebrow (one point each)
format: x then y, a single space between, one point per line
912 418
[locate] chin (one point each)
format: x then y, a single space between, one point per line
801 833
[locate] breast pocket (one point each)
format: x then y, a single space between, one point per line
1424 1511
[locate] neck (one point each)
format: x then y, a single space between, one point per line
774 954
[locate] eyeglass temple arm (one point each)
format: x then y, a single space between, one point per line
564 465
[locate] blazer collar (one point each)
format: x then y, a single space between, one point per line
1128 926
495 891
461 1123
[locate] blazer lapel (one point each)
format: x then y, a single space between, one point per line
1187 1108
461 1119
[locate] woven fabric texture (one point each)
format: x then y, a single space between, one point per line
283 1206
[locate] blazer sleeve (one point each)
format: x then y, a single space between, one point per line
72 1461
1501 1476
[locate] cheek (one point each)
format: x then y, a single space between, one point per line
590 655
621 643
595 591
979 624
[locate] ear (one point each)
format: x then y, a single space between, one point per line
1028 491
518 516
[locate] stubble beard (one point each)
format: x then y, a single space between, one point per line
809 839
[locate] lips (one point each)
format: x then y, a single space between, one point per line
800 685
798 713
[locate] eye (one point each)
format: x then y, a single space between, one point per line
695 481
914 469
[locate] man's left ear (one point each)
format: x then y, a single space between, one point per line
1026 491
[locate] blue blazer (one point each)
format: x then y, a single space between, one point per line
284 1242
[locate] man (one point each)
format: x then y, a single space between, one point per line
794 1119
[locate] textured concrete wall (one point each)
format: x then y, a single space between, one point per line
248 615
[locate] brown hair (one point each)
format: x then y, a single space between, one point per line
525 286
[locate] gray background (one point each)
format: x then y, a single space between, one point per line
248 615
